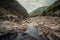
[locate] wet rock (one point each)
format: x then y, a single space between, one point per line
25 36
9 36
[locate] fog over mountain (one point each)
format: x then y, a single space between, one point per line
31 5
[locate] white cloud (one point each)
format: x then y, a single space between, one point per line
31 5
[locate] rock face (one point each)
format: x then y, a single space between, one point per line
12 9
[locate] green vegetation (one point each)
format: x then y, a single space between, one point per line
52 9
38 11
4 13
34 15
12 8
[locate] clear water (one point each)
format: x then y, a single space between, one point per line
31 30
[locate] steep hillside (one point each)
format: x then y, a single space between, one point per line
38 11
11 14
52 9
12 9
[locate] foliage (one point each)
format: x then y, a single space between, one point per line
12 7
34 15
50 11
38 11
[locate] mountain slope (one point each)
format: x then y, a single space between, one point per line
52 9
38 11
11 14
13 8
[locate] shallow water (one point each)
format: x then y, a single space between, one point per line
31 30
30 34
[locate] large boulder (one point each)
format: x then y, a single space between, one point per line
7 26
8 30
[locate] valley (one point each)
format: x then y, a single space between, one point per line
40 24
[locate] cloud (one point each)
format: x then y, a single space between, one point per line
31 5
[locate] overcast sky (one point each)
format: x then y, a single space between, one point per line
31 5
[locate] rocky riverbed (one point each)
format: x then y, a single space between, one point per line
35 28
47 27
